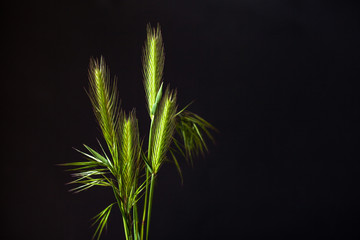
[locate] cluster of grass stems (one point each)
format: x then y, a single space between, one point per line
125 166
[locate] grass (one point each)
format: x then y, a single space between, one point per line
124 164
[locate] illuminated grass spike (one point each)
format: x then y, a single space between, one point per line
153 65
130 160
164 126
104 99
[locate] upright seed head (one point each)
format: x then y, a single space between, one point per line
153 65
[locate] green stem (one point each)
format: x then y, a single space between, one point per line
126 229
145 205
147 181
121 211
135 222
151 194
126 222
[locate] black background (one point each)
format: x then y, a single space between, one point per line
277 78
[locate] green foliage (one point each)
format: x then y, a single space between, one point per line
128 169
101 220
191 129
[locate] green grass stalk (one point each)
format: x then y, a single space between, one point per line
126 228
135 222
151 195
147 181
145 206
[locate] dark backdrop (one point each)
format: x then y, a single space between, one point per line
278 79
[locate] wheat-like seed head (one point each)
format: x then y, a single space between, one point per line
164 125
153 65
103 96
130 157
